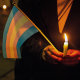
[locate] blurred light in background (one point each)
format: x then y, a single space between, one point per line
5 2
4 7
8 3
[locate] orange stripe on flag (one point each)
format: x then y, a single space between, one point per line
12 25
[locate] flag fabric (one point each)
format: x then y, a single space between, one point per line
63 10
17 30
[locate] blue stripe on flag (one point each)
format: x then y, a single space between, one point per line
27 34
12 14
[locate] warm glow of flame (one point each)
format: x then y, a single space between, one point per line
65 36
4 7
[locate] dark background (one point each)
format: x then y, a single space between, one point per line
44 14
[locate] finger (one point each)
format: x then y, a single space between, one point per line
53 56
70 51
47 48
50 59
56 52
69 58
53 51
75 54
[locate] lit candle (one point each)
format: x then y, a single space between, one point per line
65 46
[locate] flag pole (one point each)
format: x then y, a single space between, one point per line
34 25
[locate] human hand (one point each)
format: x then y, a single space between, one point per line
72 58
54 56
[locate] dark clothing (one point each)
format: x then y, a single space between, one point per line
44 15
33 67
72 26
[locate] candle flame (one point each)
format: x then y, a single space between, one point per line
66 39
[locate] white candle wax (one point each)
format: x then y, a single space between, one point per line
65 46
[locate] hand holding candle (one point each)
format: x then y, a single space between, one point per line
65 46
53 56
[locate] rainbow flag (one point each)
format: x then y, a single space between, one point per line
17 30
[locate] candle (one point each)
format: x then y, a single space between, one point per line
65 46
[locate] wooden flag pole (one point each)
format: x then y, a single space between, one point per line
34 25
